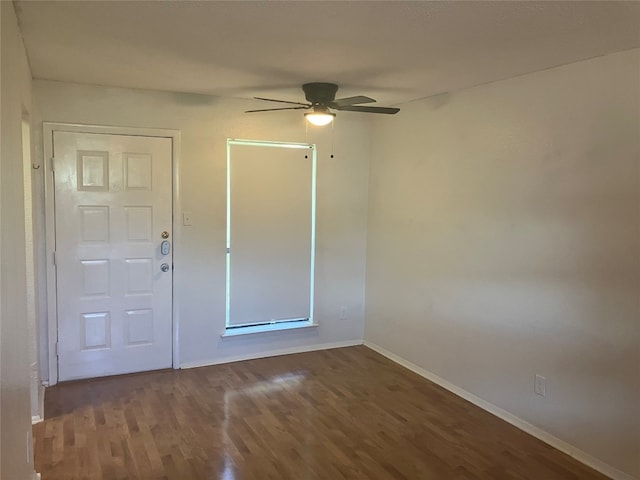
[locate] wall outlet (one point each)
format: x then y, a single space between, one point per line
540 385
343 313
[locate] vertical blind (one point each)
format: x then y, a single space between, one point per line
270 233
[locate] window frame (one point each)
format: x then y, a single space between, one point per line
274 325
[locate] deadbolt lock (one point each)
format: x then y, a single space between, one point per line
164 234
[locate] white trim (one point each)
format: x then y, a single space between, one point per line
176 144
314 215
50 237
268 143
110 130
272 353
41 392
36 419
271 327
523 425
50 242
227 278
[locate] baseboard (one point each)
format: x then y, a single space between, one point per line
271 353
36 476
537 432
36 419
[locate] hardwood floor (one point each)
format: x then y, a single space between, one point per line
347 413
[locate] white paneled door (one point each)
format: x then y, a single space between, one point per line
113 210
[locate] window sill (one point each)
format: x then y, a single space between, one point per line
274 327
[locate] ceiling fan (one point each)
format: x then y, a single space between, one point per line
322 98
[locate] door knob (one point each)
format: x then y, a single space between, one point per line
164 267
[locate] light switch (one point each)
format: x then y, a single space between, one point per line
186 219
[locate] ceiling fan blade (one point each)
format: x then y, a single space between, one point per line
345 102
282 101
273 109
387 110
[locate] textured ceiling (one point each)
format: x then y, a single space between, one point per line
394 51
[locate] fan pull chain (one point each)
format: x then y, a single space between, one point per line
333 124
306 135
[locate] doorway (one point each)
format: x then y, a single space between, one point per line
111 208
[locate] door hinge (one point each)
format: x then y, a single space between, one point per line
55 260
57 350
52 164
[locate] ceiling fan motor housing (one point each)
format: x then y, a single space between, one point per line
319 93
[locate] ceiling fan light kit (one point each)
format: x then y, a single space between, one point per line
322 97
320 116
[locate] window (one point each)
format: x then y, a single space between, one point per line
270 235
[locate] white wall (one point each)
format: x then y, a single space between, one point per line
504 242
206 122
503 236
15 97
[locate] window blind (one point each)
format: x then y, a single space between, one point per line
270 228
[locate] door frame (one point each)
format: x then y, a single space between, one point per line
50 225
